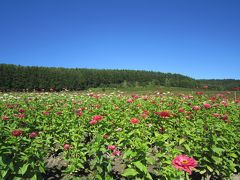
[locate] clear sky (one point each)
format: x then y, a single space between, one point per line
198 38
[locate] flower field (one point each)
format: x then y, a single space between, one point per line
115 136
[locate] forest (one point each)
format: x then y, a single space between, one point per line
19 78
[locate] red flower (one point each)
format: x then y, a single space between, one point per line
207 106
145 98
199 93
105 136
130 101
79 113
224 117
111 147
67 146
81 109
97 106
116 153
162 130
184 163
5 118
90 94
17 133
46 113
59 113
33 134
181 110
93 122
163 114
144 116
134 121
215 115
205 87
196 108
97 118
135 96
21 116
21 110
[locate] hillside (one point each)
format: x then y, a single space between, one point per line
17 78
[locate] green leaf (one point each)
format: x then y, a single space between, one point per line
203 171
209 168
217 150
217 160
34 177
130 172
187 147
150 160
233 155
149 176
181 141
3 173
99 169
129 153
140 166
41 169
23 169
109 167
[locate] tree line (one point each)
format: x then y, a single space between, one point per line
18 78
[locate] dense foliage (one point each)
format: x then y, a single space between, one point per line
17 78
97 136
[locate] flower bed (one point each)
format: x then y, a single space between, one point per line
112 136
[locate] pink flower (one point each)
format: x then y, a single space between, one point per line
21 110
205 87
199 93
5 118
92 122
33 134
97 118
135 96
224 117
21 116
111 147
90 94
67 146
17 133
46 113
134 121
215 115
207 106
162 130
237 101
181 110
97 106
184 163
79 113
130 101
196 108
116 152
144 116
105 136
59 113
163 114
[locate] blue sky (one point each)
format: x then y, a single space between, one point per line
197 38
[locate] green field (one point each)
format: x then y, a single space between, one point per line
128 133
